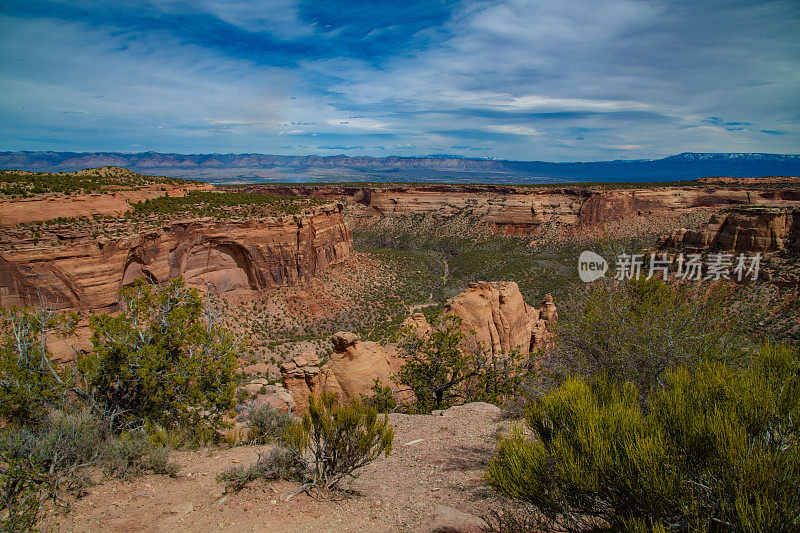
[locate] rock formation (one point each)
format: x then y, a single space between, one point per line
495 312
86 272
515 209
418 324
744 230
351 371
275 396
496 316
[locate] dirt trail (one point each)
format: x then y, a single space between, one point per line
438 460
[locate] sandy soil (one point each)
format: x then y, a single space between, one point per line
438 460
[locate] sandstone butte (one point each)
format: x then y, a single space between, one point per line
517 209
493 315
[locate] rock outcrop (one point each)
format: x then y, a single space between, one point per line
744 230
350 372
418 324
515 209
496 316
86 271
495 312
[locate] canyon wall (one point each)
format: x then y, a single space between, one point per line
744 230
86 272
515 209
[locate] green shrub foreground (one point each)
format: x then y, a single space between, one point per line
330 443
715 449
339 439
161 370
636 330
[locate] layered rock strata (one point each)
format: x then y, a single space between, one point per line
744 230
86 272
514 209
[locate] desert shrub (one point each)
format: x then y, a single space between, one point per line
340 439
279 463
66 440
382 398
132 454
62 445
636 330
170 438
23 489
265 424
164 359
716 449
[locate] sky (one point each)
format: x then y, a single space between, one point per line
553 80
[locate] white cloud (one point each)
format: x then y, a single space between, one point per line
514 130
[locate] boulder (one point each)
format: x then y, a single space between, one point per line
277 397
302 381
356 364
256 368
350 372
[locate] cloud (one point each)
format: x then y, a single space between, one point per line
518 79
514 129
337 147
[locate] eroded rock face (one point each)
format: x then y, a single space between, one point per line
744 231
514 209
496 316
86 272
350 372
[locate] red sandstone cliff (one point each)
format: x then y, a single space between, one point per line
84 271
744 230
518 208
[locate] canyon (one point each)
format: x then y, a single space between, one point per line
520 209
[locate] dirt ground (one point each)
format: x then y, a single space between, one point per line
433 476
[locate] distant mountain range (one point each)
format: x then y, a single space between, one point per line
233 168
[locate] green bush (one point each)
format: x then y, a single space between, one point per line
279 463
715 449
265 424
634 331
163 360
382 398
340 440
30 383
23 489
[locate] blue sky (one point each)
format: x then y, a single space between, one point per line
562 80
